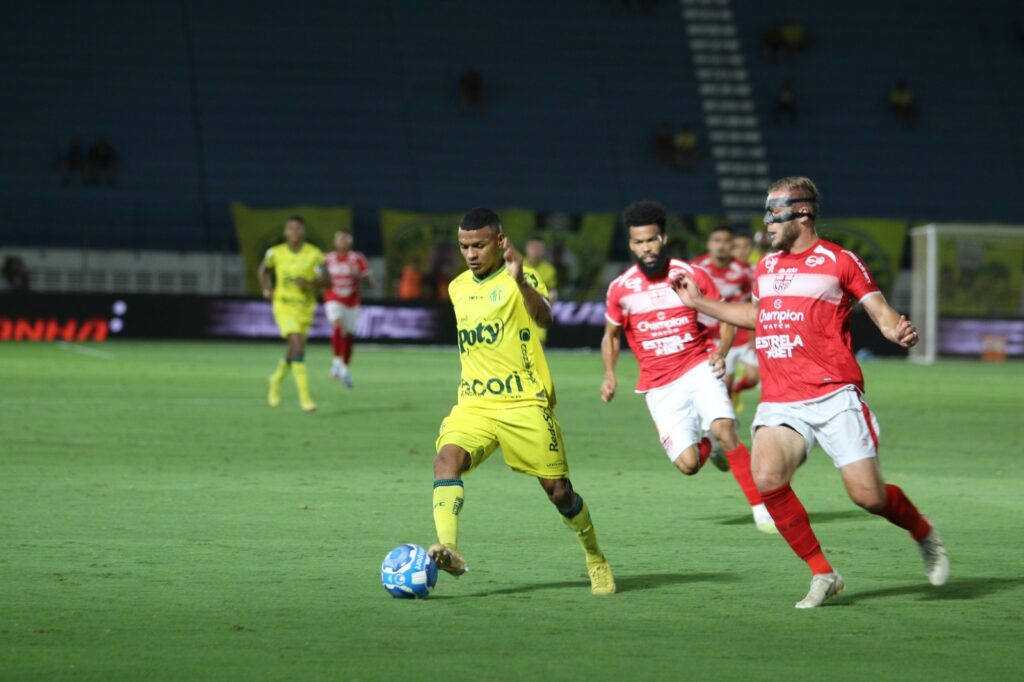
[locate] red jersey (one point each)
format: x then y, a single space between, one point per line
734 282
346 271
665 335
803 322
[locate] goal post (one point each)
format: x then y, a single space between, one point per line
967 290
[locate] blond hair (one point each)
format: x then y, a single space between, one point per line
799 182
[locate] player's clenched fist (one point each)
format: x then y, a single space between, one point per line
905 333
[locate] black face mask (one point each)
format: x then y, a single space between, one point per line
786 216
656 270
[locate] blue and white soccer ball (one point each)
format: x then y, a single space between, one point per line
408 572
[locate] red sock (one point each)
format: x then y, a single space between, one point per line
739 465
791 521
349 343
743 384
899 510
703 451
336 343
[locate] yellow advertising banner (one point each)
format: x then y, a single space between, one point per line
260 228
577 245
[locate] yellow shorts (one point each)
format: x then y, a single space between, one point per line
293 318
529 436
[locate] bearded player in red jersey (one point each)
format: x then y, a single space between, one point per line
734 280
347 269
812 388
680 370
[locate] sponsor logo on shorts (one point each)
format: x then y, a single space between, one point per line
486 332
549 421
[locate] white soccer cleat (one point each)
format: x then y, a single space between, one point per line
335 371
823 587
763 520
933 554
346 378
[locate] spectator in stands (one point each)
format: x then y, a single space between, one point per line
786 103
771 43
794 38
410 283
442 269
686 149
101 162
73 161
902 104
15 274
664 145
472 91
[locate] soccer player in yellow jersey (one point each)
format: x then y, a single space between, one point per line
533 251
298 270
506 395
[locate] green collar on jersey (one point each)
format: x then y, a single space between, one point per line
490 276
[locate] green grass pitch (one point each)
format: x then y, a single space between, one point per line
159 521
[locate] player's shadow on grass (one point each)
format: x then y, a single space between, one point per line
625 583
816 518
963 588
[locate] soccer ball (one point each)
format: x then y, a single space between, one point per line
408 572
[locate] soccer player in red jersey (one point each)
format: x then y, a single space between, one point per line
680 369
347 269
812 386
742 248
734 279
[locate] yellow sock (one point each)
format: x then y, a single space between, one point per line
578 518
449 496
281 372
301 381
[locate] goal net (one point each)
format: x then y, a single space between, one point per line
967 290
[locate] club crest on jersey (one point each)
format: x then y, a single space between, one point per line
496 296
783 280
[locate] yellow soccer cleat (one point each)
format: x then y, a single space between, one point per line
307 406
448 560
601 580
274 394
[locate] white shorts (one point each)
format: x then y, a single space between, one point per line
349 317
841 422
744 354
684 409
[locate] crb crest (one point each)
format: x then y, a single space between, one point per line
783 280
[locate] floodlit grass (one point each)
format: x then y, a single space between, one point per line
159 521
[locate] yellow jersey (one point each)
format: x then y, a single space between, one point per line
503 362
547 274
307 263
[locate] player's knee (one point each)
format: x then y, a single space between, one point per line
450 463
560 492
687 462
724 430
868 500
